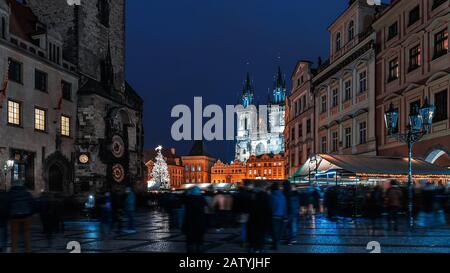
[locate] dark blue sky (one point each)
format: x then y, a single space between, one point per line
178 49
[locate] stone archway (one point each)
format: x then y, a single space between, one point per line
438 156
57 173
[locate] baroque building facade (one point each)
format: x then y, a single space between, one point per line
299 132
413 64
260 129
107 132
197 164
345 85
263 167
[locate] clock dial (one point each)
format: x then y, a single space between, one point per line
84 159
118 173
117 147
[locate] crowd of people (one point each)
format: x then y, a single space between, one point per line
18 208
265 213
271 214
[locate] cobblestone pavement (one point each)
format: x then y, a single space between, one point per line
317 235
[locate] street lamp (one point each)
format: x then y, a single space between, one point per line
419 124
9 164
312 164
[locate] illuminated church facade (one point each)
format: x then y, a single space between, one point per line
261 131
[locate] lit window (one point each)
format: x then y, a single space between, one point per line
65 126
14 113
39 119
393 70
441 44
414 58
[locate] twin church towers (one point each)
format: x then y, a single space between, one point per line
260 128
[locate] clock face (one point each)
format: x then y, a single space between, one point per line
118 147
118 173
83 159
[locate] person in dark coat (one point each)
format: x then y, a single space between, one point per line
394 200
130 207
106 214
3 220
118 201
194 223
241 208
259 220
279 214
293 210
374 206
331 202
21 207
47 207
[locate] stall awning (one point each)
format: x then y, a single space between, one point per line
370 166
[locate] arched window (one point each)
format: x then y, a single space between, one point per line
338 41
351 30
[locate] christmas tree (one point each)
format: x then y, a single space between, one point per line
160 172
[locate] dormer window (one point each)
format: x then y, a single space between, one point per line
351 30
338 41
54 53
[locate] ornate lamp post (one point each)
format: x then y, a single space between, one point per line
419 124
7 167
312 165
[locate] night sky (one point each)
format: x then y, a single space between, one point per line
178 49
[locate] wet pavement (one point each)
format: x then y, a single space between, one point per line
316 235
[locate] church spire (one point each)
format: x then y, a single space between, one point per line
280 82
248 88
247 92
279 88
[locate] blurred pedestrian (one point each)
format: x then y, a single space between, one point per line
20 210
331 202
373 206
117 200
241 207
194 223
106 214
3 221
219 204
259 219
394 200
293 211
47 208
130 207
279 214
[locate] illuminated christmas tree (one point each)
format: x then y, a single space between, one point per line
160 172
